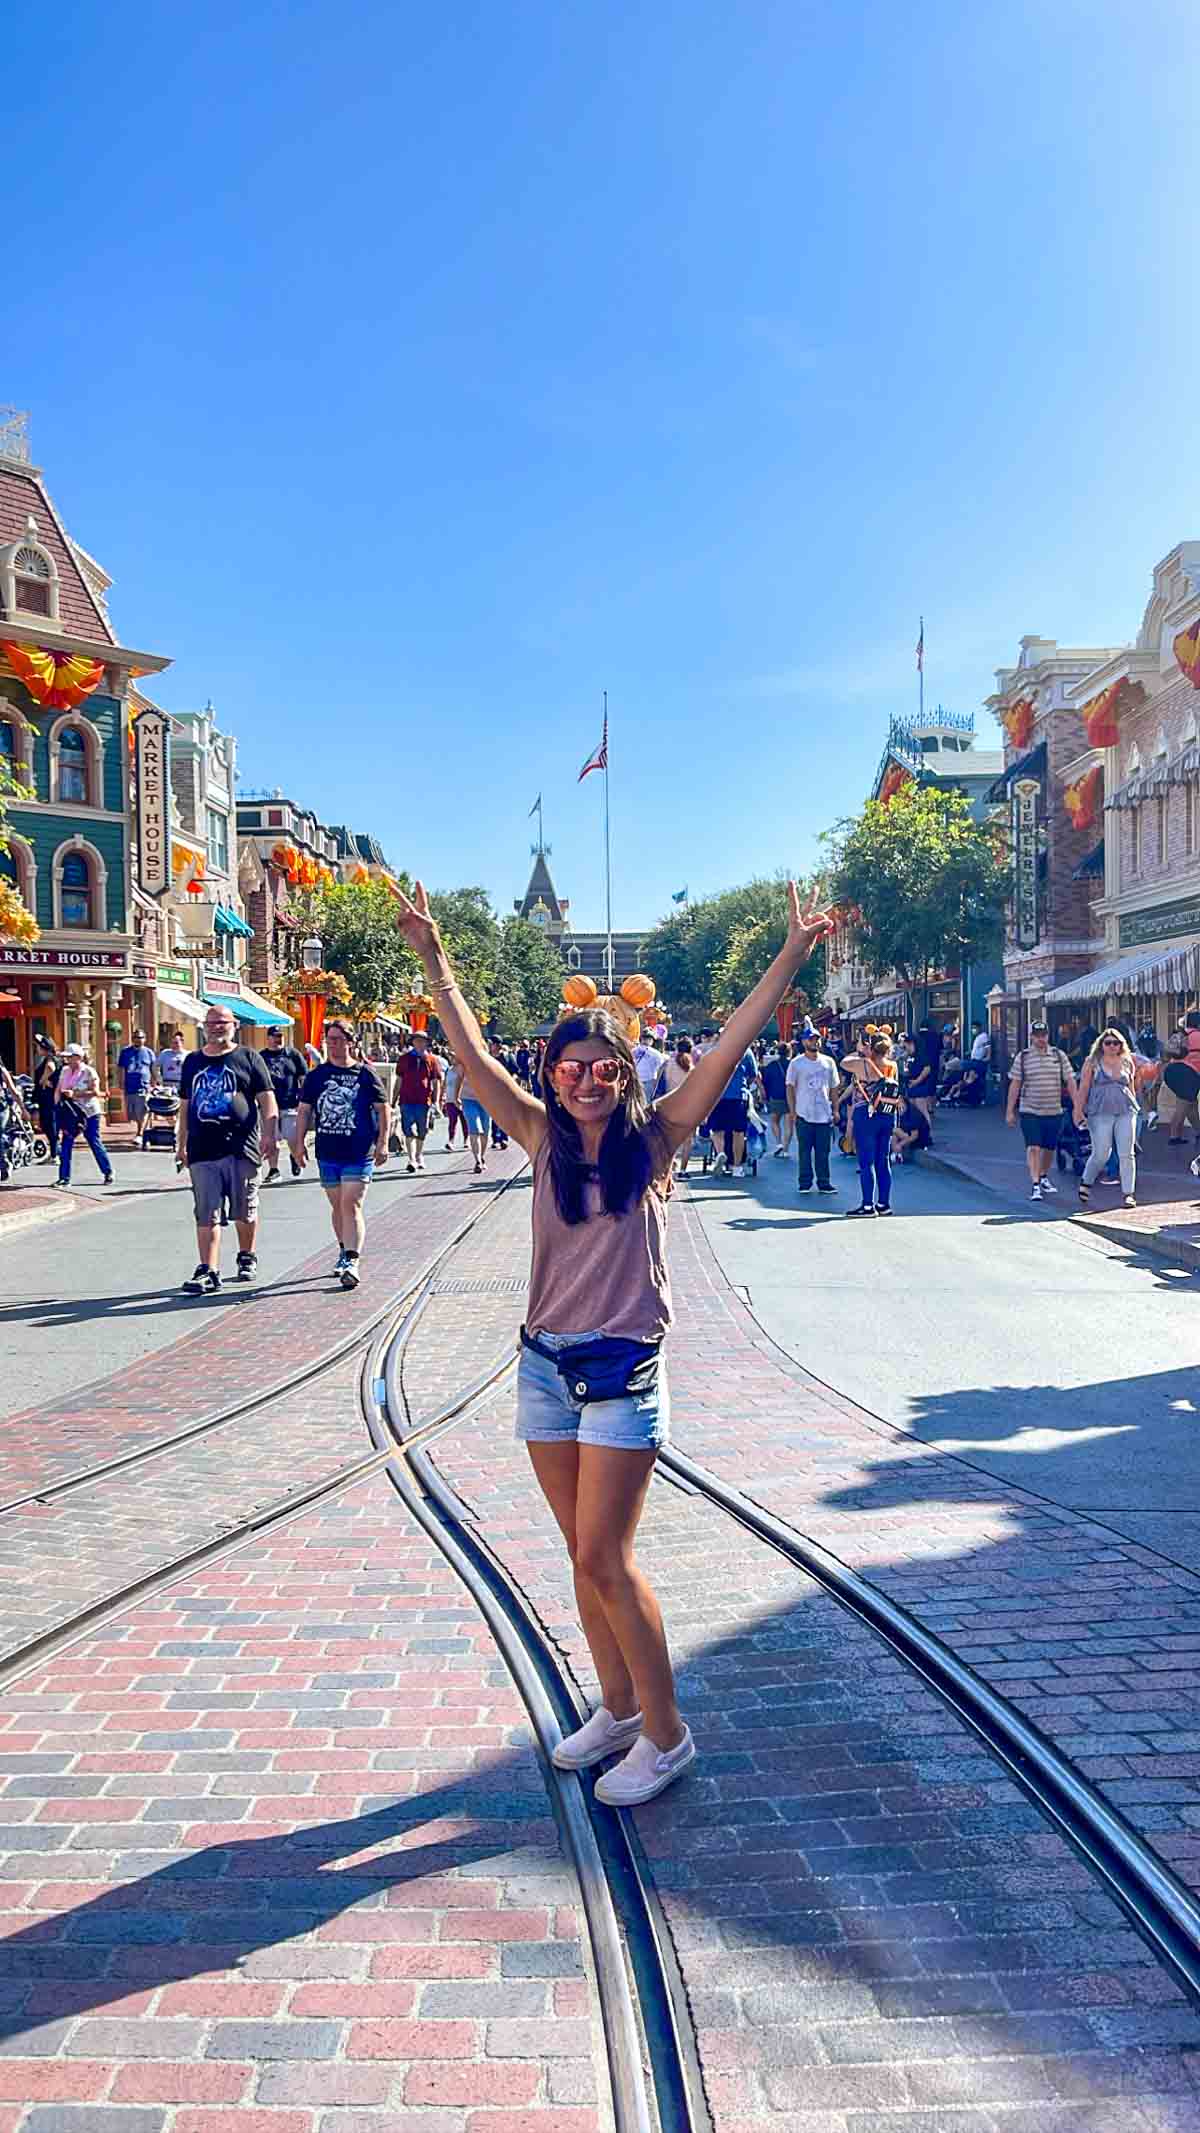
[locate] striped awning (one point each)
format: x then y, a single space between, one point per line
1141 975
886 1005
1158 778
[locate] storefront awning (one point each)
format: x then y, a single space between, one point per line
1159 776
227 921
249 1007
184 1005
1091 866
390 1022
885 1004
1032 765
1149 971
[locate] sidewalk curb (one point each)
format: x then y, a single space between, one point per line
30 1217
1176 1251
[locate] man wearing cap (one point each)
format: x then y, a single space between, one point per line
1040 1083
135 1064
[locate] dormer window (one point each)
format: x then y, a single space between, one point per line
28 578
31 574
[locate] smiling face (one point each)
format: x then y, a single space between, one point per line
589 1081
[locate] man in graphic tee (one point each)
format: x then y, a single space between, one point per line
135 1064
346 1099
287 1068
225 1093
418 1079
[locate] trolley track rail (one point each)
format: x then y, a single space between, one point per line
251 1403
653 2067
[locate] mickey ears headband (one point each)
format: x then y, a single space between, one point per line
637 991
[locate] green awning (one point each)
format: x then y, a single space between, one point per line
227 921
245 1007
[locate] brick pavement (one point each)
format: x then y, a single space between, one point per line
878 1935
1091 1635
242 1340
277 1852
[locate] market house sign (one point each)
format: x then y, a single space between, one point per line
1143 928
13 958
150 758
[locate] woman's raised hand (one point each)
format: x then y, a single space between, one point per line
805 928
416 922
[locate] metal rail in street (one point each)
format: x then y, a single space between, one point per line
653 2067
236 1411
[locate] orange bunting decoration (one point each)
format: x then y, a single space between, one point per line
1082 799
1101 713
56 680
894 777
1018 722
1187 651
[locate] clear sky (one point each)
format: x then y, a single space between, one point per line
419 372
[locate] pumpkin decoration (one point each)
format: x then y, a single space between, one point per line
637 992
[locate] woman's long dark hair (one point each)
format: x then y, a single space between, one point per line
627 1151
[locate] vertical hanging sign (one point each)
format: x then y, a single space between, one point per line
1025 860
152 801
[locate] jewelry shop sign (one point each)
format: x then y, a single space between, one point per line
1025 860
151 761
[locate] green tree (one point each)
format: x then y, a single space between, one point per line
928 881
704 960
356 921
469 929
527 984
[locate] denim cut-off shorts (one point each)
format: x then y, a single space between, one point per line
548 1412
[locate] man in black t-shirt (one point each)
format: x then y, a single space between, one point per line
346 1099
225 1091
287 1068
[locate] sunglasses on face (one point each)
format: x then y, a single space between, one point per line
1112 1044
570 1072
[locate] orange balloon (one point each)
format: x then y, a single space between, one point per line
579 991
638 990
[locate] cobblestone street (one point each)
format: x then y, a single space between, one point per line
277 1837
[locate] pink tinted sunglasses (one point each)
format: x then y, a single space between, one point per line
570 1072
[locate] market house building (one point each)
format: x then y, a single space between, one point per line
1138 787
1054 932
65 700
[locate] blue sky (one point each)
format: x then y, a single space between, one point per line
419 373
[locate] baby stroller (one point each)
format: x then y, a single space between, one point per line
18 1141
162 1118
1074 1144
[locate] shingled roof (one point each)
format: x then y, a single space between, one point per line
23 495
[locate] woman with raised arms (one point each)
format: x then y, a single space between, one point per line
592 1402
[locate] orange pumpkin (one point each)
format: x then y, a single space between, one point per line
638 990
579 991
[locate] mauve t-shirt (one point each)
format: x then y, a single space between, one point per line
607 1274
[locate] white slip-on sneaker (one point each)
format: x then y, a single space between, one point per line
602 1735
646 1771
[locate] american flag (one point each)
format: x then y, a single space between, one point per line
921 648
598 761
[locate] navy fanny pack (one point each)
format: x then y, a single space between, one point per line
602 1368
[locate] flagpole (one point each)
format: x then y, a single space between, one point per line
541 839
921 675
607 854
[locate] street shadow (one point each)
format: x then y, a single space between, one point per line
153 1303
214 1907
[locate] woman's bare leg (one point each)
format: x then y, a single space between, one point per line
557 1470
608 1505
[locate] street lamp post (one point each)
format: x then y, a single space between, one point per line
312 1000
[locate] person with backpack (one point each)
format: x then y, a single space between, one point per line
1041 1081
